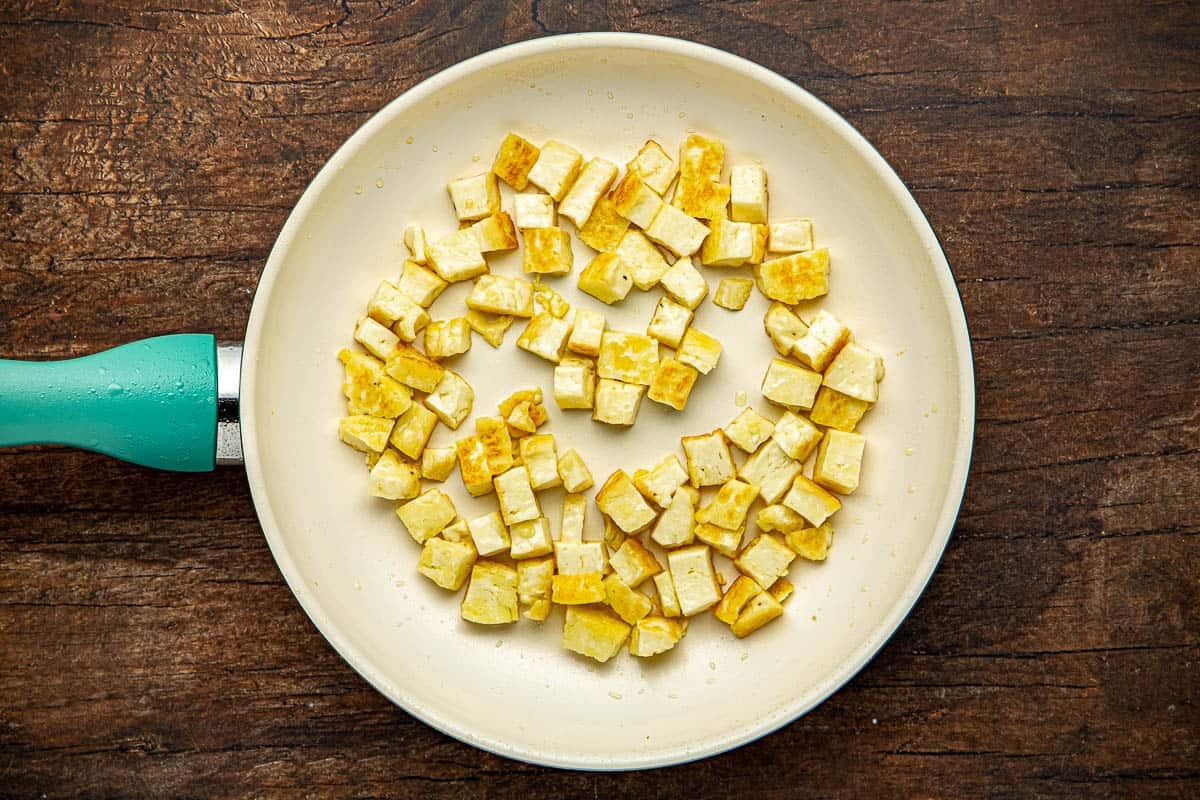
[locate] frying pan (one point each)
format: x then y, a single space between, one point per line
187 403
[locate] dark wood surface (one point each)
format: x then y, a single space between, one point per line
148 156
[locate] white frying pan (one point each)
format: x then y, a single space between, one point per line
513 690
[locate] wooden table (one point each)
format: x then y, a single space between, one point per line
148 157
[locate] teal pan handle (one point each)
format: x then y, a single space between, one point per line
152 402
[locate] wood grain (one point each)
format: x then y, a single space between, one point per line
150 152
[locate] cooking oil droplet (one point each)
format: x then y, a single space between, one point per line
408 140
629 115
358 190
115 389
379 183
908 451
611 96
435 148
740 399
475 156
590 92
683 115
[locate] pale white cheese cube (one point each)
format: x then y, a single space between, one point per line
617 402
515 494
545 336
574 518
378 340
771 470
475 197
694 578
502 294
790 235
645 263
684 283
749 429
592 183
580 558
489 534
825 337
676 231
414 240
587 333
451 399
457 256
856 371
796 435
790 385
534 210
748 193
676 524
556 169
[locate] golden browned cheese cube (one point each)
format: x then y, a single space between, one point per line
672 384
516 157
605 227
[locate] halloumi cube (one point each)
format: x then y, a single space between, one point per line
474 197
709 462
699 193
437 462
413 368
701 157
534 210
621 502
520 420
654 166
540 455
419 284
378 340
515 494
796 435
723 540
748 193
473 466
556 169
448 564
577 558
394 478
545 336
758 612
766 559
533 396
699 350
574 472
636 201
497 443
633 563
502 294
839 461
783 327
668 603
607 278
729 506
617 402
445 338
836 410
491 597
412 431
659 483
654 635
534 581
489 533
593 181
496 232
856 371
605 227
491 327
759 253
427 515
547 251
365 433
771 470
629 604
811 501
733 293
645 263
514 160
684 283
549 300
391 307
414 240
790 279
670 322
588 331
731 244
452 399
672 384
574 518
778 518
530 539
694 578
825 337
575 383
368 390
593 631
457 531
790 235
577 590
676 231
749 429
736 597
628 357
810 543
790 385
676 525
457 257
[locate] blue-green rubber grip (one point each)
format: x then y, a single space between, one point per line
151 402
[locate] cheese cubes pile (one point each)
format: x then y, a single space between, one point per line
666 524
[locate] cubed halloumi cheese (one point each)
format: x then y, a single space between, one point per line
694 578
593 181
497 443
587 333
633 563
378 340
520 420
796 435
556 169
628 357
670 322
547 251
515 494
790 385
414 240
749 429
391 307
766 559
496 232
534 581
576 558
699 192
533 397
668 603
491 327
740 592
731 244
530 539
659 483
412 431
474 197
672 384
394 478
771 470
446 563
684 283
729 506
502 294
575 383
654 166
810 543
839 461
473 466
574 518
605 227
617 402
675 526
676 231
578 589
654 635
491 597
427 514
836 410
709 462
419 284
550 301
811 501
365 433
457 531
368 390
748 193
489 533
540 455
545 336
413 368
781 589
723 540
699 350
606 278
783 327
445 338
593 631
759 253
778 518
790 235
437 462
516 157
821 342
574 472
856 371
629 604
534 210
733 293
758 612
451 399
645 263
636 201
790 279
620 500
457 257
